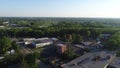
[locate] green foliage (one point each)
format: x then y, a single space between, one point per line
118 54
15 58
77 38
29 61
69 55
88 33
2 65
24 63
114 41
16 48
51 28
31 58
5 43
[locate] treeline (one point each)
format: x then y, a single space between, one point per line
44 21
58 27
55 32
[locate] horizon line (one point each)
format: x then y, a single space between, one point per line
53 17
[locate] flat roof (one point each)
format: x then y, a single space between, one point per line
116 62
43 40
60 44
86 61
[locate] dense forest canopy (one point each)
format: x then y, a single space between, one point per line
58 27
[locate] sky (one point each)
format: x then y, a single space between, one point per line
60 8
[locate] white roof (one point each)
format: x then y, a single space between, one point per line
60 45
2 58
41 38
5 22
54 38
26 39
12 51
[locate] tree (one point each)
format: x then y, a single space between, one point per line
114 42
78 38
24 63
88 33
15 31
31 60
5 43
69 55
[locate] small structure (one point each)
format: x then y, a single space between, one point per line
105 35
1 26
87 43
79 46
61 48
92 44
99 46
2 58
28 40
12 51
54 39
41 42
6 22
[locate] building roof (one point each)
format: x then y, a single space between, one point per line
54 39
60 45
106 34
5 22
87 42
116 62
42 40
79 46
86 61
28 39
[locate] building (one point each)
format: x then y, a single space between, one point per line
87 43
1 26
61 48
105 35
12 51
6 22
41 42
27 41
92 44
98 59
54 39
2 58
79 46
115 63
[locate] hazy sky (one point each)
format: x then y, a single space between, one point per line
60 8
